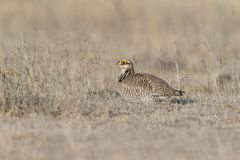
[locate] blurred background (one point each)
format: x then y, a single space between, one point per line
127 26
196 39
58 75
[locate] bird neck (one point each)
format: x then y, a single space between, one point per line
125 74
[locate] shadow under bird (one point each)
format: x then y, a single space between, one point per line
142 87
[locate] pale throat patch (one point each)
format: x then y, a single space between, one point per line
123 69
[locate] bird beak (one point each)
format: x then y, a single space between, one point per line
117 63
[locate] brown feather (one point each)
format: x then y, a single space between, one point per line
143 86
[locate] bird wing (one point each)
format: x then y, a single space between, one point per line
145 84
158 86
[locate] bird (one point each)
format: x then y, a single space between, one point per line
142 87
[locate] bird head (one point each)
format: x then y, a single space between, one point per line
125 65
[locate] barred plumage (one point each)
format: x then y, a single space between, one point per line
142 86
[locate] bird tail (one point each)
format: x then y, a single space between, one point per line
178 93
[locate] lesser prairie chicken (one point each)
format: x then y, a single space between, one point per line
142 86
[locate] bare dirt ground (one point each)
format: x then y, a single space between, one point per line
57 79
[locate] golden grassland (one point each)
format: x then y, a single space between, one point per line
57 78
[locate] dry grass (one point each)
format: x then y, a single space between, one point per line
57 79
